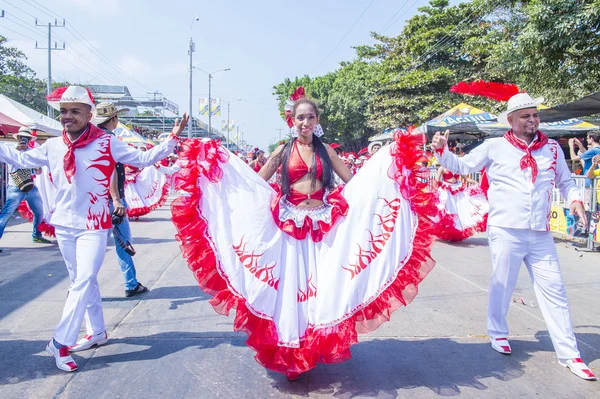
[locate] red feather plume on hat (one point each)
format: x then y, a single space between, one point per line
289 105
56 94
494 90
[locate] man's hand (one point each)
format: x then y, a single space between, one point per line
440 140
179 126
119 208
578 209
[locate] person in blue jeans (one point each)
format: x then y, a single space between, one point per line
107 118
14 196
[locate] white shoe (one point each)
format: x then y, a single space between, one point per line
501 345
90 340
579 368
63 358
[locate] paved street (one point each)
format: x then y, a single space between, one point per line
169 343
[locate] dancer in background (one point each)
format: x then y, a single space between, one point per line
463 208
258 160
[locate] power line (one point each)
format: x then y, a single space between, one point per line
397 19
39 9
95 50
20 9
389 24
57 16
82 38
347 33
37 32
18 33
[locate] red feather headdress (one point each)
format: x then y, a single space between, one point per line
494 90
289 104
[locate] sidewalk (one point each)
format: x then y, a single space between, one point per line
169 343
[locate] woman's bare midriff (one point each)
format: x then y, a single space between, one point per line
303 186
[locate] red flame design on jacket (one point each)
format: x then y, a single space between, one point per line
250 262
376 243
101 169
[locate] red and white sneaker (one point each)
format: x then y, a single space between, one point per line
63 358
579 368
90 340
501 345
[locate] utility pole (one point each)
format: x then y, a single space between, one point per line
49 48
192 48
280 134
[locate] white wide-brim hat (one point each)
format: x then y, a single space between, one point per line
517 102
25 132
373 144
71 94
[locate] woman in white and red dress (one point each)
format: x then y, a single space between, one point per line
308 265
145 189
463 208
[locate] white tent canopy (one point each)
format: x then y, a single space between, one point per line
29 117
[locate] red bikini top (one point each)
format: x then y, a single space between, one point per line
447 175
297 168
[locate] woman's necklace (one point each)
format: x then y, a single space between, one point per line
304 145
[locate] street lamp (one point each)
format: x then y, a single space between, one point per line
191 49
228 104
210 74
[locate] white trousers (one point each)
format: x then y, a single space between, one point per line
509 248
83 252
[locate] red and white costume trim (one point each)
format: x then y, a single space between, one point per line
148 191
302 296
463 209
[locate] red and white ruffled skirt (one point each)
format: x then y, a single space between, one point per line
463 211
304 282
146 191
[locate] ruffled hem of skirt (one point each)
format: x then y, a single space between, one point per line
45 228
137 212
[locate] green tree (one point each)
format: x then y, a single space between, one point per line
548 47
436 49
18 81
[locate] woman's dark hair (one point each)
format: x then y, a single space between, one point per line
318 150
255 155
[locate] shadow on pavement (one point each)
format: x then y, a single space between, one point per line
470 242
181 295
378 367
29 284
27 360
382 367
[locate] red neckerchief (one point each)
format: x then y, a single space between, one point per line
528 161
91 134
